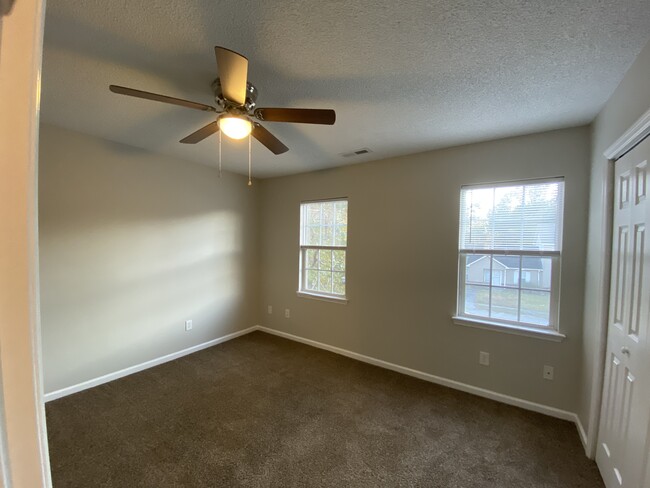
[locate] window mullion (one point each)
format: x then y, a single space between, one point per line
490 289
503 252
318 273
303 223
521 220
320 230
304 269
494 193
462 269
521 260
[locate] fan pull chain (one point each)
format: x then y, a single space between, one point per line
250 183
219 154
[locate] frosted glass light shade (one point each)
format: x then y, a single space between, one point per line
235 127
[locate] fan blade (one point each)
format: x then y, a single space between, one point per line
298 115
122 90
268 139
202 133
233 73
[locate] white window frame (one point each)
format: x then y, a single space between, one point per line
550 331
302 279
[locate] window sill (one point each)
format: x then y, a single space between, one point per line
325 298
547 335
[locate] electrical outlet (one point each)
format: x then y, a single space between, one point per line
270 309
188 325
484 358
287 313
548 372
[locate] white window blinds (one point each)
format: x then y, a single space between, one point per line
512 217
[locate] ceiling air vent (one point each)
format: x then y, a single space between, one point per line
358 152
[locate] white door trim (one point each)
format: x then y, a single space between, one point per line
23 422
629 139
607 191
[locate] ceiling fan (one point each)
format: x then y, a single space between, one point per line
236 112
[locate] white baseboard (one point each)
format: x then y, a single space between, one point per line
53 395
456 385
583 434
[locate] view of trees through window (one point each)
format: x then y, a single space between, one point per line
323 247
510 243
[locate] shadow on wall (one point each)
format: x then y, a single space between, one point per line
131 247
133 285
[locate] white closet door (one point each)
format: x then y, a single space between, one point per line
623 446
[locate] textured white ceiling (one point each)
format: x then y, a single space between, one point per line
403 76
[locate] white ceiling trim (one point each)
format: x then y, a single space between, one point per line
633 136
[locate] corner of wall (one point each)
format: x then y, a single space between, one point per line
628 102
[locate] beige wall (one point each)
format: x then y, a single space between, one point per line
402 263
131 245
630 100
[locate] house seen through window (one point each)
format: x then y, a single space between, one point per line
509 253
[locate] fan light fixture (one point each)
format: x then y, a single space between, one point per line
236 114
235 127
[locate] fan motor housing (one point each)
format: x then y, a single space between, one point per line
251 96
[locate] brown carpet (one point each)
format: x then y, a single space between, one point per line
262 411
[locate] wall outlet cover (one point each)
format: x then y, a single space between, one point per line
188 325
484 358
270 309
287 313
548 372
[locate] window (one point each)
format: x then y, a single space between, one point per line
506 231
323 248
